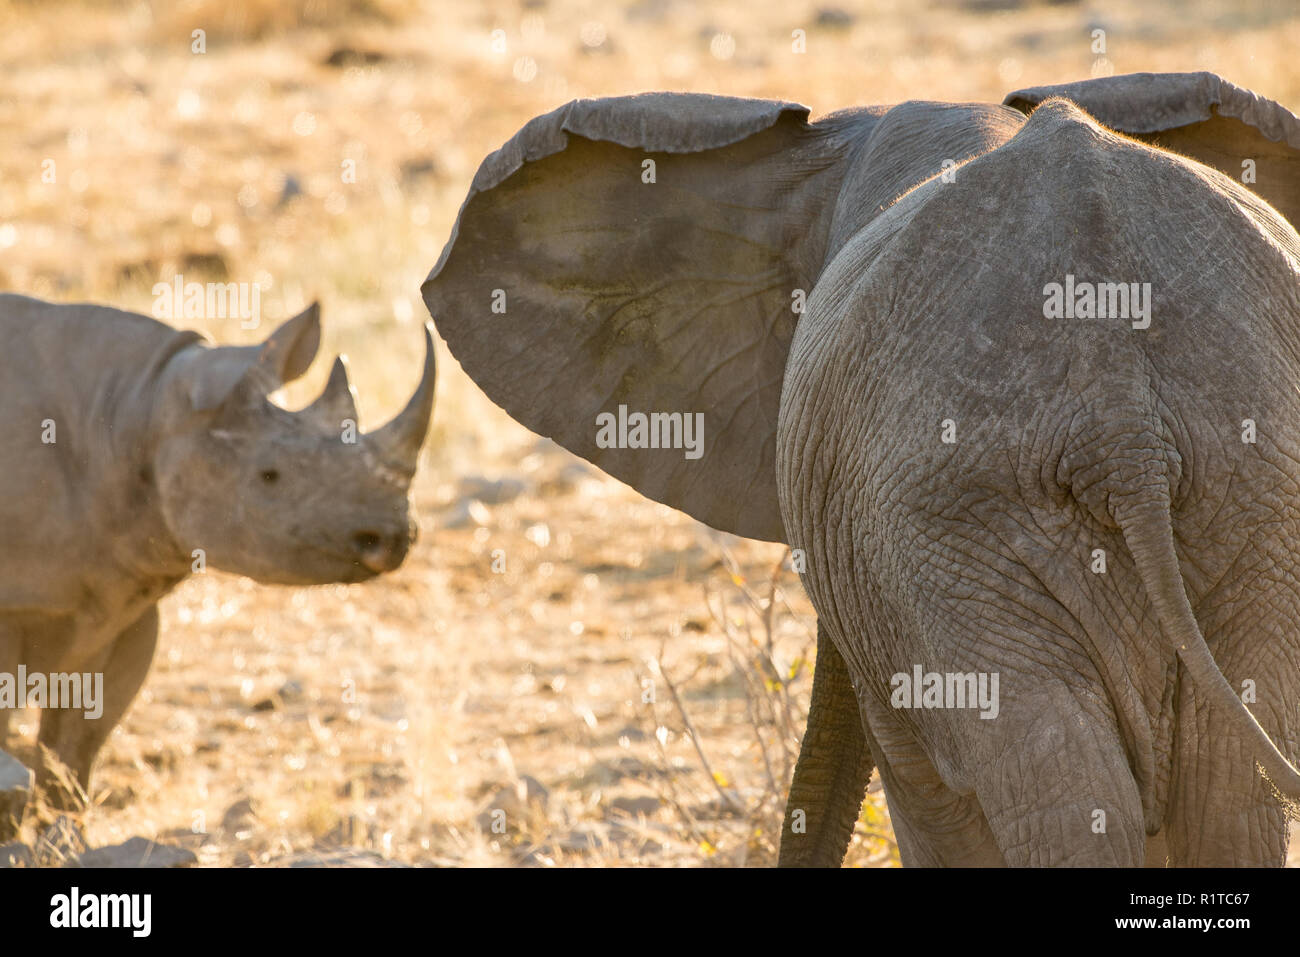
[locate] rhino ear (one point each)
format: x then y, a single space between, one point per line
256 370
1243 135
648 252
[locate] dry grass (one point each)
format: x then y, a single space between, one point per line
408 704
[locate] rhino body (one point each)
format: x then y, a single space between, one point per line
134 454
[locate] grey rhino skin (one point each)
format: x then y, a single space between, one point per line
163 446
949 460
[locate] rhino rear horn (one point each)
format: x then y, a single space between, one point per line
398 442
337 402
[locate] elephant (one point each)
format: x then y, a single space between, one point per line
1019 383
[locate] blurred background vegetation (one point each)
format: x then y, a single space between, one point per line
143 139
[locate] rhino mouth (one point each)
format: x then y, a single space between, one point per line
360 558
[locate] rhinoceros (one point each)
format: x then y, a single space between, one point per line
134 454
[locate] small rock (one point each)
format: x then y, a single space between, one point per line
465 513
350 831
414 170
492 491
137 852
206 262
346 56
162 759
572 475
647 10
529 790
834 18
13 774
581 841
240 816
729 804
15 791
586 839
628 766
386 779
533 857
289 190
185 837
287 693
525 792
16 854
636 806
544 446
137 271
340 857
632 839
525 796
61 844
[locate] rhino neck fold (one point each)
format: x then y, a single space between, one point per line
133 409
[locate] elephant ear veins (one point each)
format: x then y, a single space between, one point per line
1240 133
649 254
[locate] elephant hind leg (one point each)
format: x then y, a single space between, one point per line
1222 812
935 825
830 777
1057 787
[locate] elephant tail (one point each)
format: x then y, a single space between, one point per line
1146 520
835 763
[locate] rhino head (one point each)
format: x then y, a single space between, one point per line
284 497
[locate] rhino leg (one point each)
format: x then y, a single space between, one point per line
75 738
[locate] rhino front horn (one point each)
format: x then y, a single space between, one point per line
337 402
398 442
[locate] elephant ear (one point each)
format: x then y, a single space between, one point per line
648 254
1199 115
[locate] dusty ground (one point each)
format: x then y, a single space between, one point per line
396 716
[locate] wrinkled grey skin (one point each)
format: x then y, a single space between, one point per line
165 445
925 303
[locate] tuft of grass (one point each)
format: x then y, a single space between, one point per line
168 160
768 667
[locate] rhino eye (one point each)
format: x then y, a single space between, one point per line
270 476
